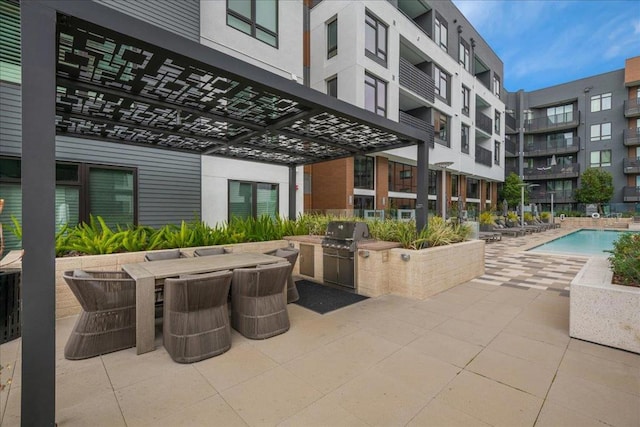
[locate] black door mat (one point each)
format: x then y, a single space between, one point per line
323 299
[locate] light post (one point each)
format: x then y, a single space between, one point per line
522 187
444 166
553 221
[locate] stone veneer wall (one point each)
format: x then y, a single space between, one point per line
595 223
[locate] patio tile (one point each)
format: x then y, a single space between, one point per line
538 332
609 373
491 402
424 320
270 397
11 415
146 402
528 349
440 307
97 409
438 413
241 363
340 361
446 348
554 415
463 296
469 332
394 330
622 356
298 314
80 384
518 373
322 413
595 400
205 412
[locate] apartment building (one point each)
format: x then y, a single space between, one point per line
567 128
420 63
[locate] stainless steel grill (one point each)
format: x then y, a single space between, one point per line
339 246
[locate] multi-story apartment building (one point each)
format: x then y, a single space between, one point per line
565 129
416 62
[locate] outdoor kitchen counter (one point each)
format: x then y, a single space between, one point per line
371 245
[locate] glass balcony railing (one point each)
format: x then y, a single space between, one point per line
632 137
545 148
552 172
559 196
631 194
632 107
631 165
555 122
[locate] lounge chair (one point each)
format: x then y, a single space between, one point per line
291 255
211 251
489 236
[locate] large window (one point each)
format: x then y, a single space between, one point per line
363 172
464 139
332 38
497 122
375 95
403 178
375 39
601 102
81 190
496 152
9 41
332 86
560 114
441 128
496 86
473 188
258 18
466 97
600 158
600 131
252 199
441 80
440 33
463 55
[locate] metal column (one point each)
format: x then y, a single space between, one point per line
423 185
292 193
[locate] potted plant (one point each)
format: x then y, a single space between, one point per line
486 221
545 216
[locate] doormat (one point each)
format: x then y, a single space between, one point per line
323 299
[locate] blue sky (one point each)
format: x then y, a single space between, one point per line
547 42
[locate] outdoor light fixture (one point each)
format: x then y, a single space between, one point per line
364 254
444 166
522 187
405 257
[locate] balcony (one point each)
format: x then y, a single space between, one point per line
547 148
510 147
632 137
552 172
632 107
416 81
552 123
631 194
484 123
511 168
510 123
417 123
483 156
543 196
631 165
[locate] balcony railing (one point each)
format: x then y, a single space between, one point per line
632 137
484 122
483 156
552 172
416 81
417 123
631 165
511 168
561 196
555 122
510 147
510 122
545 148
631 194
632 107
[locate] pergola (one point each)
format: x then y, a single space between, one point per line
92 72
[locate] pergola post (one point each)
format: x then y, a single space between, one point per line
38 214
423 186
292 193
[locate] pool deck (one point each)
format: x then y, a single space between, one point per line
493 351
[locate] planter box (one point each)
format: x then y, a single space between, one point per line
602 312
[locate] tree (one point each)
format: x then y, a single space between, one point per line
511 190
596 186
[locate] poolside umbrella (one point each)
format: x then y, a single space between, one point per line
505 208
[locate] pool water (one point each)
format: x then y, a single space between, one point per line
582 242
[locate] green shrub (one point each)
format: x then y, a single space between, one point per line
625 259
486 218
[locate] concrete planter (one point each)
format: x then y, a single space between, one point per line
421 273
602 312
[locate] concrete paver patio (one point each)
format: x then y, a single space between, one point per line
493 351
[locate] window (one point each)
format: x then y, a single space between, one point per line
473 188
375 39
332 38
440 33
375 95
496 122
601 102
441 131
81 190
258 18
496 153
600 131
496 86
560 114
466 95
252 199
464 140
455 180
433 183
10 41
487 192
600 158
403 178
441 81
332 86
363 172
463 55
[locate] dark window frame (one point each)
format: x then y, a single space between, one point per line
332 82
377 25
254 196
464 138
466 100
377 83
440 77
368 175
251 21
332 48
438 24
496 152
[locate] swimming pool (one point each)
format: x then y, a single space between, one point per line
582 242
